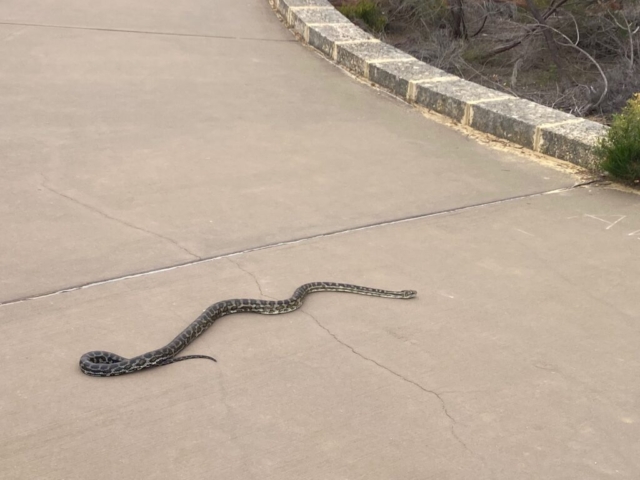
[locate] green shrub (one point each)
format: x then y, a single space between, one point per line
366 10
619 151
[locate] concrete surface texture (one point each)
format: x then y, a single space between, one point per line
137 138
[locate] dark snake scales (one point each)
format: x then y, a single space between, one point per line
106 364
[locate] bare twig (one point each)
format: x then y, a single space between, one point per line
571 44
505 48
484 20
514 73
627 28
458 25
551 44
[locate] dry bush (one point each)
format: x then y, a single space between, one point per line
580 56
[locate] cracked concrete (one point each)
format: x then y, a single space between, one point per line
203 123
145 32
396 374
385 223
120 221
248 272
488 352
368 359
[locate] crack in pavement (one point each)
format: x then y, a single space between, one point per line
255 279
332 233
122 222
148 32
453 421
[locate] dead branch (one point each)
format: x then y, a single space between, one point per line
458 25
550 11
484 21
630 33
574 45
551 44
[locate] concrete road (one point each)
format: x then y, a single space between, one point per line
139 138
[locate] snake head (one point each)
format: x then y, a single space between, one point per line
409 293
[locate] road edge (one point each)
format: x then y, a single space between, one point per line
528 124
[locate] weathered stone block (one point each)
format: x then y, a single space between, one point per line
324 37
301 18
452 98
358 56
514 119
285 7
572 142
396 76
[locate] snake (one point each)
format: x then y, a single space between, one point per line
99 363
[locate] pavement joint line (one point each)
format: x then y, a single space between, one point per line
383 223
145 32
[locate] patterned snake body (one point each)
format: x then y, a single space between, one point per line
106 364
